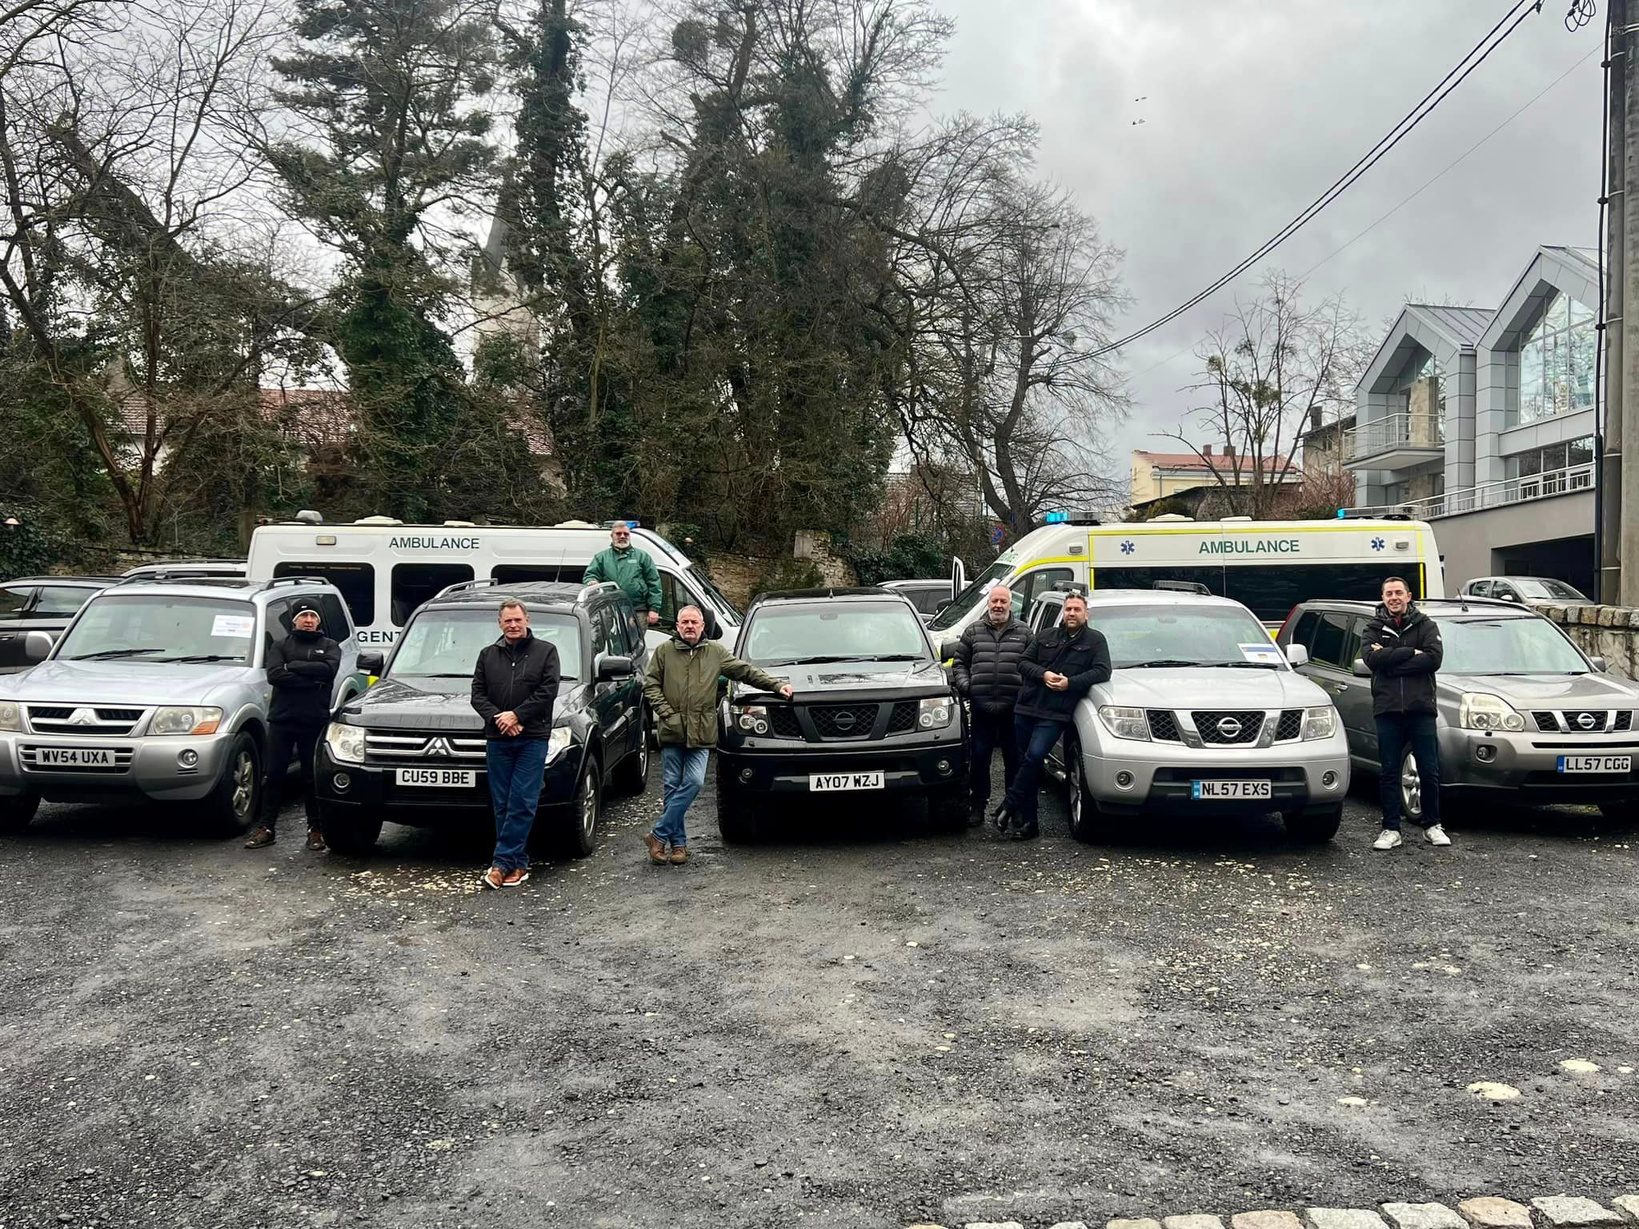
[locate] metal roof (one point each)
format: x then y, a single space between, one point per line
1464 324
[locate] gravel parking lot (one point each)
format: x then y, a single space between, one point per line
866 1024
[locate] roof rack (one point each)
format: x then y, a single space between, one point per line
461 586
1181 586
285 580
597 586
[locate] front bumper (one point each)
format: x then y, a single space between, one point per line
919 766
1159 776
150 767
1525 766
374 786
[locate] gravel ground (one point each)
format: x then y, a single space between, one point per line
867 1024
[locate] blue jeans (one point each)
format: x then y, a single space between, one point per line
1395 732
992 730
517 767
682 773
1035 739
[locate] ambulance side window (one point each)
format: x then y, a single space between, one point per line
1032 584
357 582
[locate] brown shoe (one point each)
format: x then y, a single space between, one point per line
514 877
494 877
680 855
263 836
657 848
315 839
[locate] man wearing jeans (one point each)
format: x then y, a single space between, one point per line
514 686
681 687
1402 649
987 674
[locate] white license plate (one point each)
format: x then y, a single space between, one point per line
1231 790
822 782
1596 763
445 777
81 757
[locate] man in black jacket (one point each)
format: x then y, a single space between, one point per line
514 686
1402 649
1060 666
987 673
302 668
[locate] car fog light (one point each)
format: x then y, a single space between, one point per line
342 781
1328 780
746 775
1124 779
944 768
187 759
1485 753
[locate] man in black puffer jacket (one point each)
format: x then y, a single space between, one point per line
987 673
302 668
1060 666
1402 649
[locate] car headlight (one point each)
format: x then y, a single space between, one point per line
558 742
1480 710
935 713
346 742
1319 722
1125 722
11 716
185 721
752 718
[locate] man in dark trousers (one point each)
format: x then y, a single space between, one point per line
987 673
514 686
1060 666
302 668
1402 649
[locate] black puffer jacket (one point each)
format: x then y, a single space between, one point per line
1407 655
521 679
302 667
987 664
1083 658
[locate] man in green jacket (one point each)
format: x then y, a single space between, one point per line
681 687
631 568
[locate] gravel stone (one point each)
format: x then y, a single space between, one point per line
1265 1220
1423 1216
1490 1212
1572 1212
1344 1218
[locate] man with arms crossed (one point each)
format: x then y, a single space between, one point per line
1402 649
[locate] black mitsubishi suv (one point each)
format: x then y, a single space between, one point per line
411 749
873 712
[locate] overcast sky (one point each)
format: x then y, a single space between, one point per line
1253 108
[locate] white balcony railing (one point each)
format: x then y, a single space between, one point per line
1394 433
1492 494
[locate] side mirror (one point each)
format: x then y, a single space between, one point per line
1297 655
1509 597
947 649
1360 671
372 661
1599 664
36 647
714 629
612 667
940 608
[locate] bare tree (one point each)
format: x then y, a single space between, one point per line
1272 366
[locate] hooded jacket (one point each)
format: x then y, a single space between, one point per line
681 687
987 664
1407 655
1083 658
521 679
302 668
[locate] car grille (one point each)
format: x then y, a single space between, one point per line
29 753
423 749
1250 722
843 720
95 721
1164 726
1602 721
903 718
783 721
1291 725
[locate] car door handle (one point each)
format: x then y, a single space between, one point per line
1340 687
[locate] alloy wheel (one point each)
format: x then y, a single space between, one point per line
1411 787
589 803
244 783
1072 780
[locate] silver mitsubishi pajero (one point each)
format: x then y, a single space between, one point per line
157 691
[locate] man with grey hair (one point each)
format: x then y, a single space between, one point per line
632 569
987 673
514 686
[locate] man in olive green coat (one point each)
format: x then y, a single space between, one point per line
632 569
681 687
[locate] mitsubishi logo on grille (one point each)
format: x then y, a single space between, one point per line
1229 728
83 716
844 720
438 746
1586 720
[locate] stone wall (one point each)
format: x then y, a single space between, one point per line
812 561
1611 632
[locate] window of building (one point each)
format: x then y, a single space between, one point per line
1556 361
1422 367
357 582
1554 458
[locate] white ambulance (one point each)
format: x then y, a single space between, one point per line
1269 566
385 568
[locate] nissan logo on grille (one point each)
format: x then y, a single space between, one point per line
1586 720
1229 728
843 719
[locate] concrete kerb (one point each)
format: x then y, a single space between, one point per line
1480 1212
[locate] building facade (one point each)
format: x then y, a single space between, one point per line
1157 475
1481 421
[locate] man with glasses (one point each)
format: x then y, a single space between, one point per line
632 569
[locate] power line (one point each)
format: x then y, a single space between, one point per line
1447 86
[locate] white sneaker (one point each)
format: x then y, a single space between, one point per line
1388 839
1436 835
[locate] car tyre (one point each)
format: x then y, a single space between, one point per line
1411 790
1087 823
579 834
17 812
351 831
1314 827
1625 812
235 802
736 819
631 775
948 809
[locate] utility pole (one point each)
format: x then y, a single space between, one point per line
1619 565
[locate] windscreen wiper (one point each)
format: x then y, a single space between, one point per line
830 659
208 657
107 654
1244 665
1162 661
